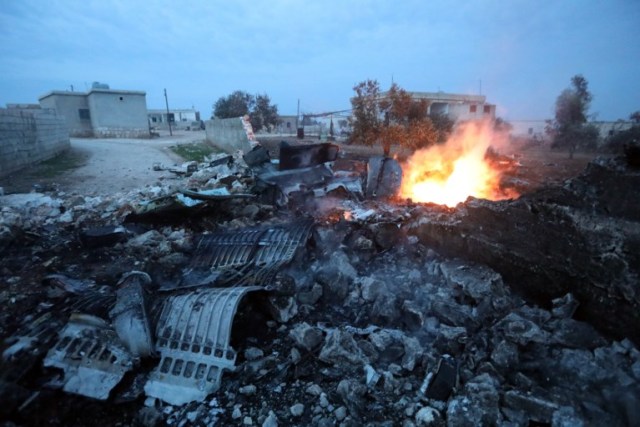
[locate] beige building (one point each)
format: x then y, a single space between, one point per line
457 107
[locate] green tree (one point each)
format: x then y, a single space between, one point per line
264 115
395 118
365 120
261 112
569 129
236 104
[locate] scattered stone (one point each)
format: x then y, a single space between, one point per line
427 416
314 390
248 390
271 420
340 413
297 410
253 353
340 347
306 336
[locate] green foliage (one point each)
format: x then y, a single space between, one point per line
395 118
196 151
365 121
261 112
569 129
237 104
443 126
263 115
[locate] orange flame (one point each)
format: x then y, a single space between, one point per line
448 174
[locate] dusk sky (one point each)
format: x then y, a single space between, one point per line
524 53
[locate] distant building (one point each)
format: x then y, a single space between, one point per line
457 107
286 125
101 112
179 118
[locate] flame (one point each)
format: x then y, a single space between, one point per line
448 174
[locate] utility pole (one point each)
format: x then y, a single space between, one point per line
166 101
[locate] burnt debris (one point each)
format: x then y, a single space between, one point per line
299 292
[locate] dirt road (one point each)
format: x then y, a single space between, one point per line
107 166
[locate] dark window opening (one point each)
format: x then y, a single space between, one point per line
611 132
121 98
487 109
154 119
473 108
288 125
84 114
171 117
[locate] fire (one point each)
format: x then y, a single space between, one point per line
448 174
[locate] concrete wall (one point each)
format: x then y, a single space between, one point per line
30 136
74 108
230 135
118 114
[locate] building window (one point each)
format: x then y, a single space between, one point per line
121 98
487 109
154 119
288 125
473 108
84 114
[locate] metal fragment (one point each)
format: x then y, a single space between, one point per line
91 355
193 338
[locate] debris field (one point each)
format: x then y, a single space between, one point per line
300 291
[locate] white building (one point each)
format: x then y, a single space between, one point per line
179 118
458 107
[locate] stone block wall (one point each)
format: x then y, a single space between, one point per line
230 135
30 136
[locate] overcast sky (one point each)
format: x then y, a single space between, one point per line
520 54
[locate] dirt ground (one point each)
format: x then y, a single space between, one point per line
104 166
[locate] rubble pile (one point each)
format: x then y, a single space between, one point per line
239 295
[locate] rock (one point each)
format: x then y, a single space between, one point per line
521 331
297 410
478 282
340 413
371 376
478 404
534 407
306 336
248 390
340 347
271 420
352 395
253 353
427 416
250 211
505 356
311 297
412 352
371 288
323 401
385 234
566 416
247 421
413 315
149 417
564 307
313 390
386 310
282 308
237 413
336 277
574 334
